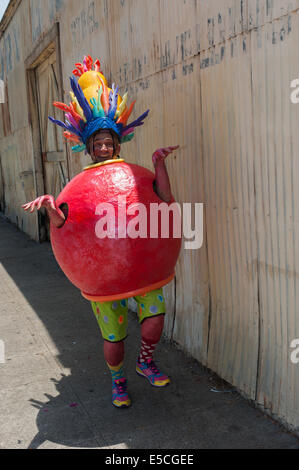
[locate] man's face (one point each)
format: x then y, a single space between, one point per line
102 146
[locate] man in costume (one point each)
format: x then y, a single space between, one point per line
101 137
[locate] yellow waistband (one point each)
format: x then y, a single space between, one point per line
106 162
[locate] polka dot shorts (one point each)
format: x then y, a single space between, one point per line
112 316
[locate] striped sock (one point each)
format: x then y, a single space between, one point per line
146 351
117 372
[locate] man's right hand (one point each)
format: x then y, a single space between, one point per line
55 214
46 201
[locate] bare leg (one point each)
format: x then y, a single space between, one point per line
114 352
151 328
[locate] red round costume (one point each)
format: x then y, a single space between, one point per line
112 268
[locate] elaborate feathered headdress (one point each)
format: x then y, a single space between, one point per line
95 106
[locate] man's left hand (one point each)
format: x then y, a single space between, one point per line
160 154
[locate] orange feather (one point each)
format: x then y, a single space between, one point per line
105 95
97 65
62 106
71 137
77 73
123 119
74 113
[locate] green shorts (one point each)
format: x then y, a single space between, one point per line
112 316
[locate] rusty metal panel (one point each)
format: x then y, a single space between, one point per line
17 181
221 20
261 12
5 113
84 30
134 39
182 115
179 31
145 38
149 95
16 144
120 42
42 15
229 196
15 73
277 214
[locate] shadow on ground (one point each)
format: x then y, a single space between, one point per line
58 393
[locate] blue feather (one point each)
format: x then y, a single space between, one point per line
137 122
72 128
66 126
113 102
81 99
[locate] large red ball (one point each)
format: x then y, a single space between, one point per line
112 268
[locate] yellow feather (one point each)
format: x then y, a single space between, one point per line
122 105
78 107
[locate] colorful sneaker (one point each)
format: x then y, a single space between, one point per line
120 397
149 370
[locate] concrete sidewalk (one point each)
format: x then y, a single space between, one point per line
55 391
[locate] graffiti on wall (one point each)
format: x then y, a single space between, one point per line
36 9
36 20
10 51
84 23
54 7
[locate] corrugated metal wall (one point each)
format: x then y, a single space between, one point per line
216 75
